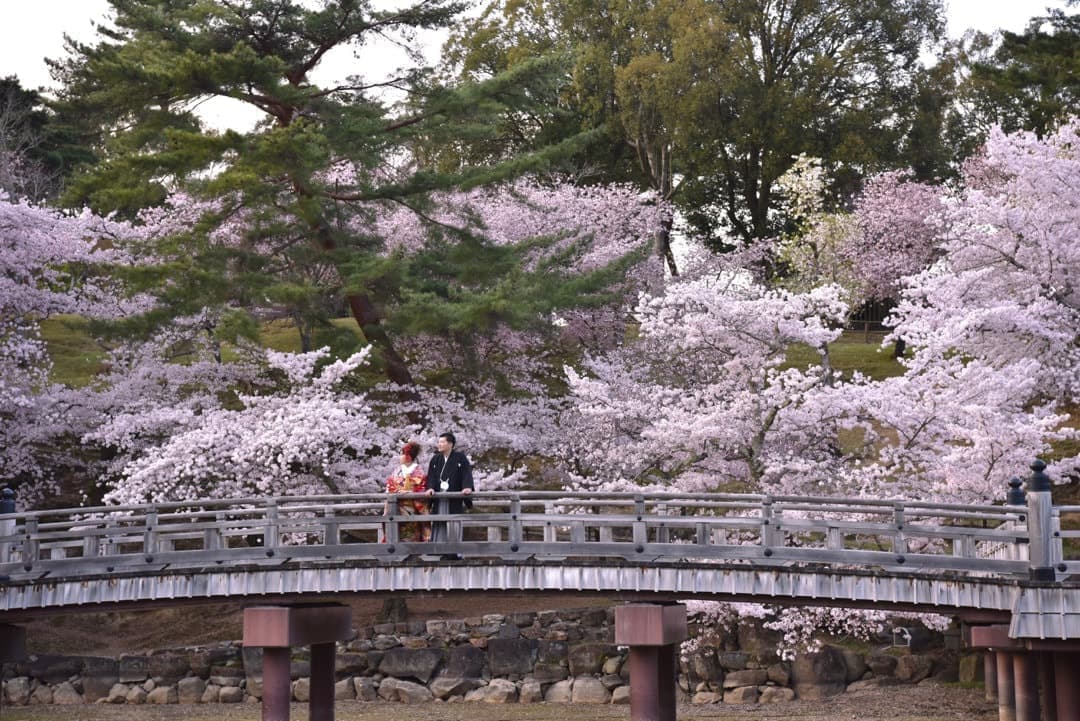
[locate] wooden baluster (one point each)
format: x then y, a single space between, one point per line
272 532
213 539
549 529
91 545
9 526
770 535
108 544
515 531
150 534
331 528
663 533
1057 551
641 531
31 545
577 532
964 546
900 544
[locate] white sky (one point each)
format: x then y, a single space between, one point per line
33 30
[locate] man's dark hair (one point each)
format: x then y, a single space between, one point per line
449 437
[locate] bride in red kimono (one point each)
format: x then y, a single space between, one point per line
409 477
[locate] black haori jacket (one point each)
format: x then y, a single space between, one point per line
457 473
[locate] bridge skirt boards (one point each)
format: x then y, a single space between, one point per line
276 629
1036 680
652 632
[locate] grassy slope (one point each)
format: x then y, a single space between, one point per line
851 353
77 357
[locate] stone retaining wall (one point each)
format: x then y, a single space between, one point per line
565 656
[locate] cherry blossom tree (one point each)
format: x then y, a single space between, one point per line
995 325
1007 290
702 398
893 230
49 265
900 225
149 409
300 436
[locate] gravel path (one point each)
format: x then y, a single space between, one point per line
927 702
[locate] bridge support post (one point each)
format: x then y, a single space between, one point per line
990 675
652 632
1066 688
1047 686
1006 690
276 629
321 705
1026 686
276 683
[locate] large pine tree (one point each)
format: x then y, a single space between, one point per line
295 196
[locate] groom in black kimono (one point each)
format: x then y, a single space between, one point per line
449 471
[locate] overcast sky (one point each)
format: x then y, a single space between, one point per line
33 29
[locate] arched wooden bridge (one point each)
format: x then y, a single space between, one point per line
1001 568
851 552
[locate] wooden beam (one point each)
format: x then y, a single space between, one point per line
302 625
649 624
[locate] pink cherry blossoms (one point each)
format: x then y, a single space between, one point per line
49 265
299 438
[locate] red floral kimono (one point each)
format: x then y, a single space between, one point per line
410 480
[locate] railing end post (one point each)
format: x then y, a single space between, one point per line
7 500
1039 482
1040 523
1016 496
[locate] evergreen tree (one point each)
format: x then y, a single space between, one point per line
311 175
37 150
713 100
1031 81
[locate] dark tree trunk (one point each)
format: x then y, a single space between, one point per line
370 321
663 247
394 610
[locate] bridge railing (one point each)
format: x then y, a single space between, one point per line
1065 529
676 528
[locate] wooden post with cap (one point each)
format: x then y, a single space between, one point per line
652 632
1040 524
276 629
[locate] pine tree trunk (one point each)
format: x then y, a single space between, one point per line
663 247
370 321
369 318
306 333
394 610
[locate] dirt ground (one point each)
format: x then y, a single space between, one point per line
901 703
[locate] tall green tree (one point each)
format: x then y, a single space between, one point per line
37 150
309 177
715 98
1028 81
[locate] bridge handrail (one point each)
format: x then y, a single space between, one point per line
698 527
710 500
